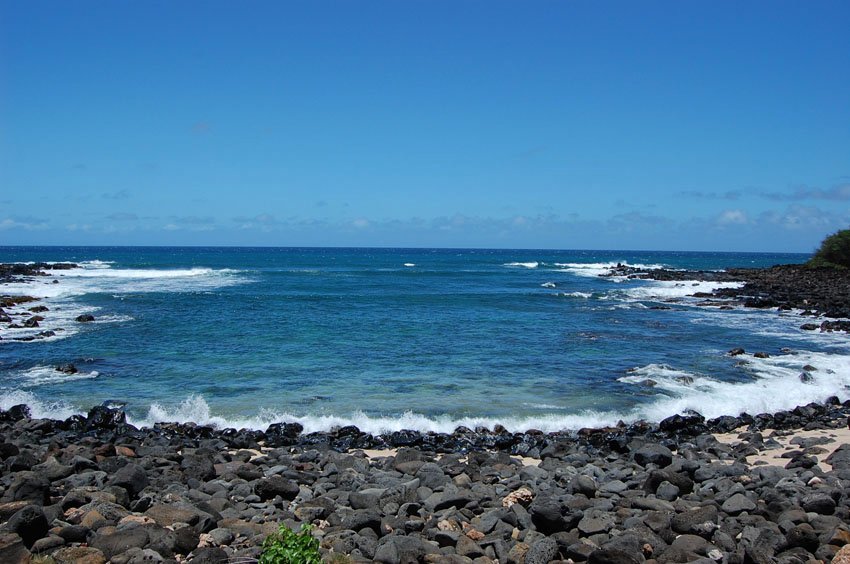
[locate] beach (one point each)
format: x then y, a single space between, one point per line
97 486
736 489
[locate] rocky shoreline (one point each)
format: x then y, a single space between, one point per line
24 312
815 292
95 489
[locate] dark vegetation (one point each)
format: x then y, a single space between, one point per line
834 251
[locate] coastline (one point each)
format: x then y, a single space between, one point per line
734 488
96 489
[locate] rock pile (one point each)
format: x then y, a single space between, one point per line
95 489
815 291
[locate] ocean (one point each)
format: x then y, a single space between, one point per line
390 339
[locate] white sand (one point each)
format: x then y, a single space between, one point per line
371 453
773 457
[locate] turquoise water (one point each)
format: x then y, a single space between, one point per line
402 338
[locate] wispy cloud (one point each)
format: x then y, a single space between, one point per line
116 195
190 223
732 217
123 216
798 216
193 220
838 193
728 195
637 221
26 223
263 221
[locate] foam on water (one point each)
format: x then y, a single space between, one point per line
582 295
195 409
666 290
771 324
548 285
39 409
97 276
42 375
775 385
532 264
597 269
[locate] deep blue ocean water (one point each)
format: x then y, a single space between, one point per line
403 338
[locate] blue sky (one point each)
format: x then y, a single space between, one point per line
616 125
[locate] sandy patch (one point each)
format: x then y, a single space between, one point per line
378 453
773 457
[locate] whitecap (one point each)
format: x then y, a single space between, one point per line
775 385
39 409
195 409
597 269
43 375
665 290
522 264
582 295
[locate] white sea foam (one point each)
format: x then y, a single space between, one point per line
583 295
42 375
39 409
532 264
100 277
596 269
776 385
772 324
195 409
548 285
665 290
409 264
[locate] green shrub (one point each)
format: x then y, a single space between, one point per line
288 547
834 251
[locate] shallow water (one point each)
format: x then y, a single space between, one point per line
403 338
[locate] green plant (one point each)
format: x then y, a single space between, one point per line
834 251
288 547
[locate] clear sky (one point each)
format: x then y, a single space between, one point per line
599 125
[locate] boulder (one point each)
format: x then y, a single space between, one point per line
268 488
656 454
29 486
130 477
12 548
29 523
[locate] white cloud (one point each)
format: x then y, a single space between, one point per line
25 223
733 217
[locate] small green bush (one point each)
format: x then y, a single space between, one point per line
288 547
834 251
